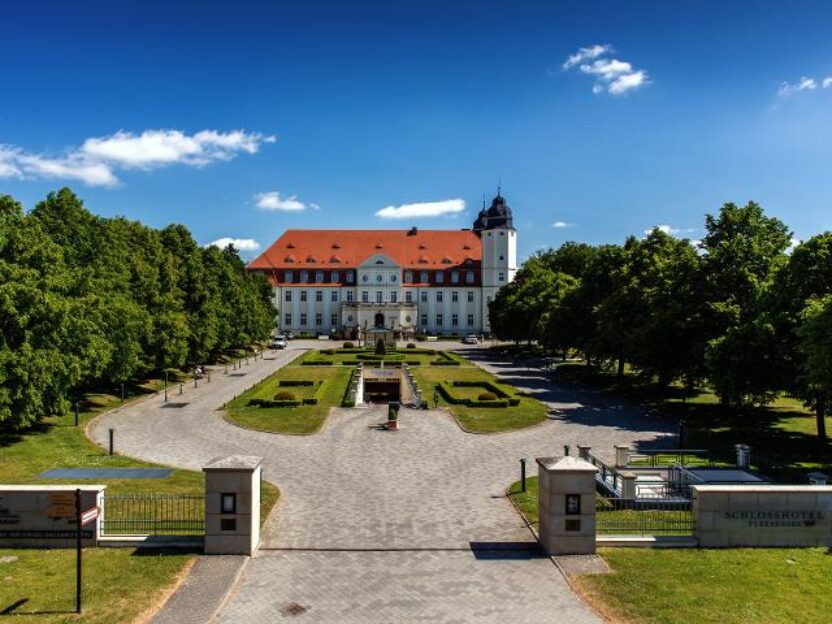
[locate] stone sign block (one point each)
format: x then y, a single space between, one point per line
43 516
764 516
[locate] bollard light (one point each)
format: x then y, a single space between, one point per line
112 432
523 475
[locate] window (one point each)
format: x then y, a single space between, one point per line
303 319
424 296
334 277
423 319
454 320
408 277
439 320
303 295
349 296
365 296
350 277
408 296
228 503
393 277
423 277
454 277
394 296
501 258
379 277
288 296
287 320
319 295
333 319
440 277
319 277
333 296
455 296
365 277
304 276
319 319
470 320
469 277
379 296
289 276
438 296
501 277
470 296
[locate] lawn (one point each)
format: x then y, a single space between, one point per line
782 435
529 412
119 584
729 586
303 419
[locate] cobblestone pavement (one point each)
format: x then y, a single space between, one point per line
385 587
351 486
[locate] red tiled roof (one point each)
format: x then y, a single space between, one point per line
409 249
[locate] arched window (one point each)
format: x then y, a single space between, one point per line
469 277
288 276
304 276
335 276
319 277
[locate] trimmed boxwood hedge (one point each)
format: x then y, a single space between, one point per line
274 403
316 363
288 383
372 357
446 390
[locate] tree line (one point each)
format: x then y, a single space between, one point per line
87 301
740 311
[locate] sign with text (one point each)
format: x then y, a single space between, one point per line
39 516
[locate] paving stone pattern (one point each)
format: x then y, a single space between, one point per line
350 487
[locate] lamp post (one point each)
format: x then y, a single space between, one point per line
166 385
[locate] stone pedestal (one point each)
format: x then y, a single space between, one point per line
622 455
628 485
566 500
232 505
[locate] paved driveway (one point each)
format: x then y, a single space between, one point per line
353 487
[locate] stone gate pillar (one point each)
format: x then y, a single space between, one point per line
566 503
232 505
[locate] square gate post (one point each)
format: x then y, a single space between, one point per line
232 505
566 503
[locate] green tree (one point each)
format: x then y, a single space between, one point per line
815 347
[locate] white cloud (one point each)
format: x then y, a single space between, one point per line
154 148
561 224
669 229
274 202
425 209
612 75
95 162
827 82
240 244
586 54
804 84
793 242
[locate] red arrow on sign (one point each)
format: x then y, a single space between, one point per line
89 515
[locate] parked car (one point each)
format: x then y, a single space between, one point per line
279 343
287 335
470 339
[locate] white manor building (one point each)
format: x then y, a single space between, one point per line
405 281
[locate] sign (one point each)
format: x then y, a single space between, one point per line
796 518
89 515
60 505
33 534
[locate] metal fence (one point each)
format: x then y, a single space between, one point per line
153 514
619 516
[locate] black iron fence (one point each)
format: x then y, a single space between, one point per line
153 514
619 516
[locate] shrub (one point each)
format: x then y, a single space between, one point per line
487 396
381 349
285 395
349 345
410 345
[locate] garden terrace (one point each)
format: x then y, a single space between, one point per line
459 389
392 357
314 390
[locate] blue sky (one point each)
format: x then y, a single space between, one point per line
196 113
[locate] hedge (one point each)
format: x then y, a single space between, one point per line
446 390
273 403
295 382
316 363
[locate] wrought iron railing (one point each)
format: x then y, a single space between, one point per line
153 514
607 477
619 516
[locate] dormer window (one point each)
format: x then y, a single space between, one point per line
290 245
466 246
423 260
311 259
334 277
439 277
447 260
304 276
319 277
289 259
335 260
336 246
422 246
288 276
379 261
379 246
423 277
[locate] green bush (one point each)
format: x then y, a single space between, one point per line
487 396
381 348
285 395
349 345
410 345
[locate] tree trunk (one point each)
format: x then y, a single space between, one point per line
620 373
820 415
